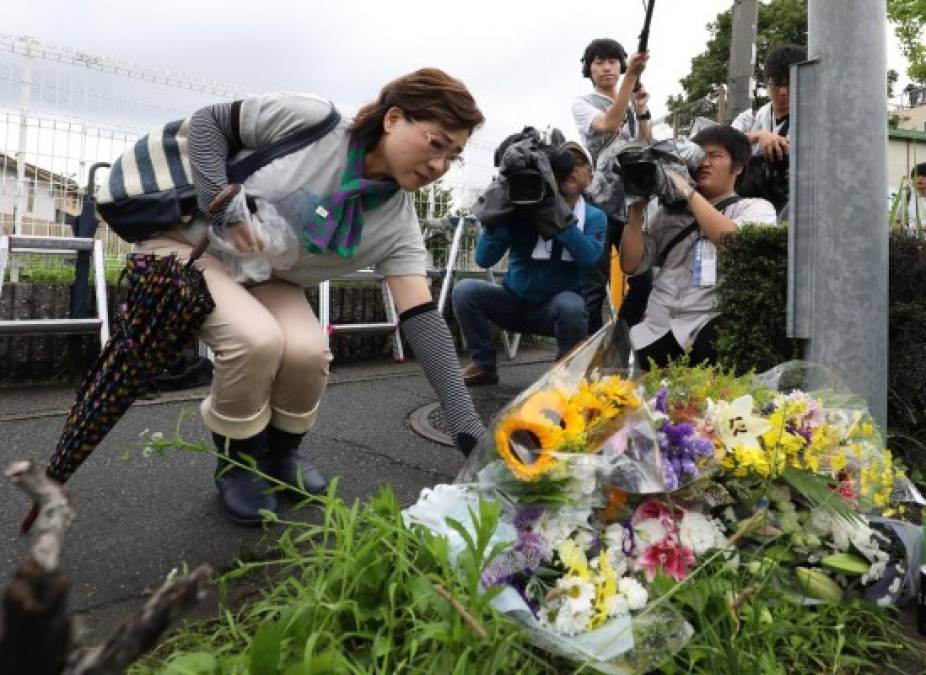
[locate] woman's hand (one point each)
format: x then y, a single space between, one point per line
243 238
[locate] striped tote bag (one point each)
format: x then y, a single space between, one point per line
150 186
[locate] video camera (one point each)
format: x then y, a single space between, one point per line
639 171
530 168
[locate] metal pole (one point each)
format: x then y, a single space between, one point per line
742 57
839 240
22 187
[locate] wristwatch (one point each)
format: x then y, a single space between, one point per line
644 116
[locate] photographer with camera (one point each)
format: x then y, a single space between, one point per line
767 129
540 291
681 240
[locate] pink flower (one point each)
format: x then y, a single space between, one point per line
655 508
672 558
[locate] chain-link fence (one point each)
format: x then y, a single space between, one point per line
63 110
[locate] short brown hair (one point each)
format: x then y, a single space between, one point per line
428 94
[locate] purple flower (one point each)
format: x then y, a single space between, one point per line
661 397
681 446
527 516
498 572
628 543
533 549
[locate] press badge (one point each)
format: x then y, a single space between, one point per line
704 274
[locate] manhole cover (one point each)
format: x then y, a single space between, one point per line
428 420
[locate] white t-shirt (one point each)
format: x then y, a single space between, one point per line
762 119
391 241
675 303
586 108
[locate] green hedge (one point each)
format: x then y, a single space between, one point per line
752 297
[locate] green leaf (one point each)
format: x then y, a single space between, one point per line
191 663
264 658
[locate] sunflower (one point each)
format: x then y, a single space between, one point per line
534 439
618 391
573 426
546 406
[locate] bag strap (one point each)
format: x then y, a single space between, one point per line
691 227
238 171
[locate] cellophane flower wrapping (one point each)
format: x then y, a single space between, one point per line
607 483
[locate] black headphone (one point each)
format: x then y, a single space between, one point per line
602 45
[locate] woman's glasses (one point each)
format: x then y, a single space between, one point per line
440 149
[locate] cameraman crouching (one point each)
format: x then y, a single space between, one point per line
540 293
680 313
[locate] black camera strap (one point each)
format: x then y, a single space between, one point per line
691 227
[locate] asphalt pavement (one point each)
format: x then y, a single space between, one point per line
140 517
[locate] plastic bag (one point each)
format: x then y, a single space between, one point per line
281 244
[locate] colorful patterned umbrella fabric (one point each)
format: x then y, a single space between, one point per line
166 302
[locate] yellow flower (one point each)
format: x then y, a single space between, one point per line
574 436
574 559
605 589
546 406
527 446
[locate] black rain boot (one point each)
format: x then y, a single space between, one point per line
283 461
242 493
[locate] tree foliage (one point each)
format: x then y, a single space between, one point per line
779 22
909 19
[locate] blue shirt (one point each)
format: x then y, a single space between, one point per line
539 280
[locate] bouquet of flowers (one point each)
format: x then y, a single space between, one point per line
609 485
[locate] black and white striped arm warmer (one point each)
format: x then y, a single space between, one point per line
429 337
214 136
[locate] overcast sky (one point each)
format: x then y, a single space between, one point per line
520 59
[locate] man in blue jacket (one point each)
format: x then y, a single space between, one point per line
540 293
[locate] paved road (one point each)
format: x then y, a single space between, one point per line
138 517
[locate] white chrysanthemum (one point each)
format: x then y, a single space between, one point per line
700 533
570 622
582 470
617 605
649 531
576 593
555 527
634 591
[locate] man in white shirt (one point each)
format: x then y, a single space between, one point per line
768 127
768 131
680 312
605 115
614 112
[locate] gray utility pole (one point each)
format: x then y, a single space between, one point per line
742 57
837 262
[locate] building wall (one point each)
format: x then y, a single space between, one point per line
902 154
913 119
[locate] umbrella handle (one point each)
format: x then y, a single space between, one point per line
217 206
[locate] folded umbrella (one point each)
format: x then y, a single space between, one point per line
166 302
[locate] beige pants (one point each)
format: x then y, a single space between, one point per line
271 357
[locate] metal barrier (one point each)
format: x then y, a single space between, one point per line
58 246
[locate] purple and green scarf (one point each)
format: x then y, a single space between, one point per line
338 220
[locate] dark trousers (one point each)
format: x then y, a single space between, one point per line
477 302
666 348
595 280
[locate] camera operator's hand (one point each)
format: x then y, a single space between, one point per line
684 186
637 64
773 146
244 239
